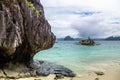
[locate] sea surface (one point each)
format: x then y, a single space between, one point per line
81 58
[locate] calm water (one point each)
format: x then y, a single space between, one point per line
79 57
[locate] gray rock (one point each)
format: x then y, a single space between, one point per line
47 68
23 32
33 73
42 72
59 76
44 69
35 65
99 72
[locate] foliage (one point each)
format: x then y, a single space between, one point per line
37 12
30 5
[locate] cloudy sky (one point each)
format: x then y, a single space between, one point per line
82 18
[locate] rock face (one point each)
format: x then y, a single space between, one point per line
22 31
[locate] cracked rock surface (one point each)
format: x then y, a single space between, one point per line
22 32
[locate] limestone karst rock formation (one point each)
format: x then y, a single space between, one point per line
22 31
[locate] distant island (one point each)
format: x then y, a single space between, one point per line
68 38
113 38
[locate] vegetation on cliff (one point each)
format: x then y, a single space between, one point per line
30 5
22 32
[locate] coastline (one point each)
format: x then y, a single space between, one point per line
110 71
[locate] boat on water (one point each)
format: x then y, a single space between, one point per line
88 41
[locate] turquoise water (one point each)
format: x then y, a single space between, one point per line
79 57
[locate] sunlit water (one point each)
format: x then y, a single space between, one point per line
80 58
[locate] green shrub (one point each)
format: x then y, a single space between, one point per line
30 5
37 12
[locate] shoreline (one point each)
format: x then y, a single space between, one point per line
110 71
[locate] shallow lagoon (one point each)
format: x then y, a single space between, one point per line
81 58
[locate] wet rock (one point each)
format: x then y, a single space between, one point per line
47 68
99 73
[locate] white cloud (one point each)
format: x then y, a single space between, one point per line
81 18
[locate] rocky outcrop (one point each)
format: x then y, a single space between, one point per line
23 32
36 68
45 68
68 38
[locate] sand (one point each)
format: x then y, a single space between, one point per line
111 72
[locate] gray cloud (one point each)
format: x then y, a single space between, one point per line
79 21
92 28
95 26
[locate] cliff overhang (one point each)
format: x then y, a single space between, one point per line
23 32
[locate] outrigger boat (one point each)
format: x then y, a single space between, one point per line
87 42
